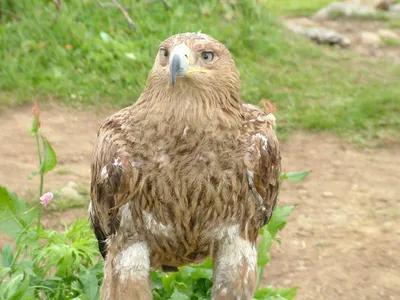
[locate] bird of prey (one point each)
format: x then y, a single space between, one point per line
189 171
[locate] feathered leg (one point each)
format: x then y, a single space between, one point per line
127 273
235 269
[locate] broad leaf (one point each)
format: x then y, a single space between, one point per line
23 291
4 271
7 256
16 215
91 287
296 176
49 159
278 219
177 295
264 247
11 286
269 293
168 282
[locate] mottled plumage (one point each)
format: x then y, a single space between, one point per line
188 171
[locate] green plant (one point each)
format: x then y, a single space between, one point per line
47 264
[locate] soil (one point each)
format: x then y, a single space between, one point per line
341 242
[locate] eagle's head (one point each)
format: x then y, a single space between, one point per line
194 60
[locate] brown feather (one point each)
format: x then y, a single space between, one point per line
186 161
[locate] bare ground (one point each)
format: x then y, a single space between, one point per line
341 242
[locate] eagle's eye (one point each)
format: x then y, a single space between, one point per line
207 56
164 52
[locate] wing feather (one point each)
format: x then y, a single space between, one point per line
113 179
262 157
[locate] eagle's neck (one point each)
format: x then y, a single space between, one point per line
199 106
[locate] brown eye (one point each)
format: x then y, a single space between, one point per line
207 56
164 52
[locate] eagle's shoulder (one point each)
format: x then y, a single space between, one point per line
262 158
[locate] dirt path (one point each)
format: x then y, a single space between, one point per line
341 242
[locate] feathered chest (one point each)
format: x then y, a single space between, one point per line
186 177
185 154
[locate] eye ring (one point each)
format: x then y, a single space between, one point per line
164 52
207 56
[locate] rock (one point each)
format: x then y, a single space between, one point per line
388 34
395 8
69 193
369 3
344 9
322 35
370 38
327 194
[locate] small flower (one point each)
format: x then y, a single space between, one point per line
46 198
36 109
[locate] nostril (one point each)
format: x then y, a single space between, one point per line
186 56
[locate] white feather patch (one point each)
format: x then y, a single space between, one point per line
263 139
126 216
185 130
104 173
232 252
153 225
133 262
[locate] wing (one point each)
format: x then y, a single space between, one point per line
113 178
262 157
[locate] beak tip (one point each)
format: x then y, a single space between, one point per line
173 80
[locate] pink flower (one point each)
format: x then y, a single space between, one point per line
36 109
46 198
36 118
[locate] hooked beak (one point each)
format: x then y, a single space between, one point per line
179 63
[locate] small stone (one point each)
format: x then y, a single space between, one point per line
69 193
72 184
387 226
395 8
370 38
321 35
327 194
287 282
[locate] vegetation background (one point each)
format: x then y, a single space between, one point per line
81 59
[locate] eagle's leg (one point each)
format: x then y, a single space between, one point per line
235 269
127 273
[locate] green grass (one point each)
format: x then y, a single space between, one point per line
394 23
391 42
90 56
296 7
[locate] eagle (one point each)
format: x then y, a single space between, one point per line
189 171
